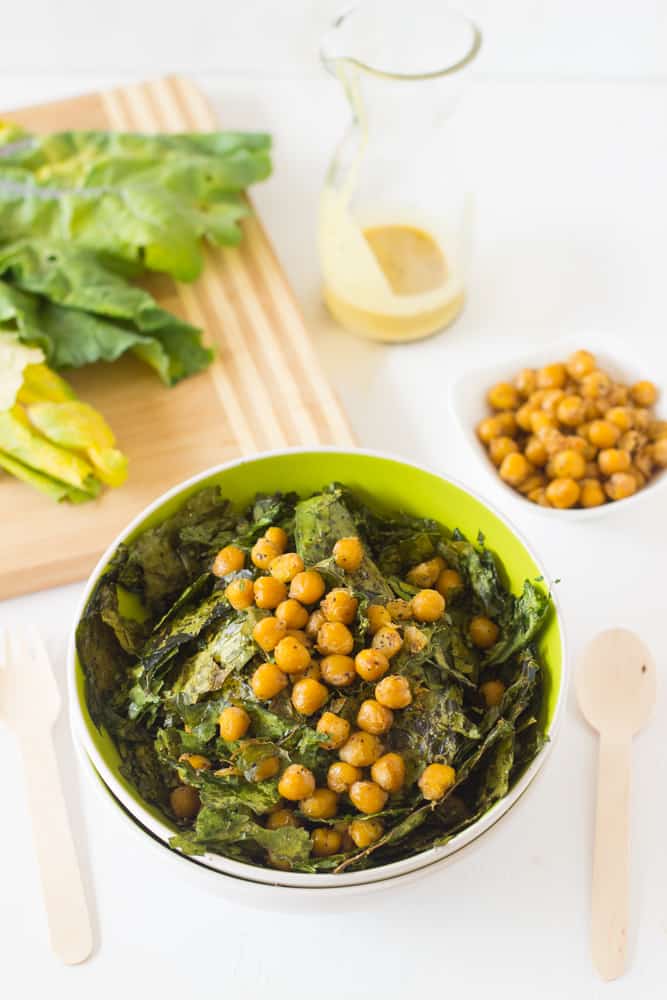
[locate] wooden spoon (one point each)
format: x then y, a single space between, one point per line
615 685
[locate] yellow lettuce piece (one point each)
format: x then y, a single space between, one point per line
15 360
51 487
42 385
20 442
74 424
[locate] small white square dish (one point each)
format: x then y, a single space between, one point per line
469 405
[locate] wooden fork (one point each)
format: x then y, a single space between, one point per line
30 705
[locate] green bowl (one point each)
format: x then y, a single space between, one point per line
384 482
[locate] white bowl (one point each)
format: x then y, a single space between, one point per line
468 405
148 817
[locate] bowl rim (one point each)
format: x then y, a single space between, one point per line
612 351
297 879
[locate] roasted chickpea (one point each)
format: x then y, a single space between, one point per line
552 399
500 448
326 842
308 695
563 493
551 376
348 553
367 797
483 632
338 670
659 452
535 451
414 640
286 566
657 429
269 592
278 537
315 623
335 728
291 655
492 692
365 832
280 818
592 494
371 664
569 464
267 681
263 553
644 393
436 780
266 768
539 496
388 772
514 469
339 606
489 428
534 482
228 560
613 460
292 614
240 593
524 417
184 802
196 761
400 610
322 804
580 363
525 382
507 423
296 783
386 640
424 574
539 421
621 416
620 485
374 718
393 691
341 775
361 750
571 411
603 434
233 723
595 384
503 396
268 632
378 617
448 582
428 606
307 587
334 637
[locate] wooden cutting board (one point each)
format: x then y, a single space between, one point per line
266 388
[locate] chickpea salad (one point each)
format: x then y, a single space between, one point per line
313 684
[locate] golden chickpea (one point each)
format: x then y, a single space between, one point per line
228 560
567 464
292 614
296 783
503 396
620 485
414 640
448 582
196 761
367 797
483 632
524 417
642 419
393 691
308 695
563 493
269 592
348 553
374 718
335 728
267 681
535 482
535 452
339 606
334 637
322 804
436 780
240 593
280 818
514 469
580 363
278 537
386 640
613 460
371 664
338 670
365 832
233 723
644 393
286 566
603 434
489 428
315 623
378 617
307 587
361 750
619 395
399 609
539 421
621 416
659 452
388 772
492 692
341 775
424 574
428 606
592 494
326 842
525 381
268 632
263 553
539 496
657 429
507 423
184 801
291 655
571 411
595 384
551 401
551 376
500 448
266 768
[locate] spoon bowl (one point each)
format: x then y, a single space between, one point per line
616 682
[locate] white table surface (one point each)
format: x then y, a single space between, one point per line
564 133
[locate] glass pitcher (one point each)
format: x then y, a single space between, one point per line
394 214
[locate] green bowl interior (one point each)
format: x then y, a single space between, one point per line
400 487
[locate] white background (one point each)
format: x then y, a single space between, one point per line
564 133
